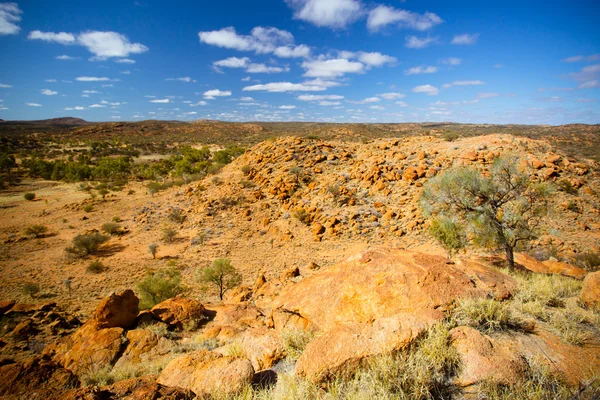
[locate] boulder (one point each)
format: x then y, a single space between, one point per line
6 305
549 266
117 311
179 311
139 343
263 347
590 292
144 388
340 351
484 358
206 373
381 283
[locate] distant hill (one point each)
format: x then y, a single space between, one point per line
70 121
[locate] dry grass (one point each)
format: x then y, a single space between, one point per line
295 341
487 315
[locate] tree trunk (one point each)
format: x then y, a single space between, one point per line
510 257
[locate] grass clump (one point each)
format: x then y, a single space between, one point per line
159 286
36 230
153 248
486 315
88 208
169 235
112 228
95 267
176 215
30 289
29 196
295 341
84 245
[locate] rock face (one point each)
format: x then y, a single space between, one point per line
179 311
206 373
340 351
549 267
117 311
144 388
590 293
382 283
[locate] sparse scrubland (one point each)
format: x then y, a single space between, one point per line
293 261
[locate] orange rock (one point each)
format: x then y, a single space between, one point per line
117 311
139 342
36 376
410 174
179 311
549 267
144 388
590 292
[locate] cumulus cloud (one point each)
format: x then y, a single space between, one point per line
391 96
97 106
452 61
50 80
366 101
382 16
102 44
287 107
427 89
65 57
185 79
211 94
33 104
160 101
465 39
488 95
589 85
330 13
125 61
589 73
232 62
593 57
48 92
279 87
329 103
332 68
375 59
199 103
9 14
462 83
377 108
91 79
263 69
262 40
420 70
319 97
413 42
301 51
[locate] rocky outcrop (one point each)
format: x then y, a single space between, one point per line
144 388
206 373
549 267
117 311
590 292
179 311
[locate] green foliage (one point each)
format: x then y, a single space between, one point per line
112 228
499 211
302 215
84 245
36 230
88 207
449 233
487 315
566 186
176 215
222 275
29 196
159 286
450 136
169 234
30 289
95 267
152 248
246 169
588 261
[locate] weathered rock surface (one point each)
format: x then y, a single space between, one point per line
262 346
179 311
381 283
144 388
117 311
206 373
549 267
590 292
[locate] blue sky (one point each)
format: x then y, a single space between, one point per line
528 62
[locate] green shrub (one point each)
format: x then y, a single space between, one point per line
30 289
302 215
222 275
176 215
88 207
95 267
169 234
450 136
566 186
450 234
246 169
152 248
159 286
588 261
111 228
29 196
36 230
84 245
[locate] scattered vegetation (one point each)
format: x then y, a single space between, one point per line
112 228
159 286
95 267
88 208
589 261
487 315
295 341
222 275
30 289
152 248
169 234
176 215
84 245
29 196
449 233
36 230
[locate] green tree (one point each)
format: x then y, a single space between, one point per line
499 210
159 286
222 275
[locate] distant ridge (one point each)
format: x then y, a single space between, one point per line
71 121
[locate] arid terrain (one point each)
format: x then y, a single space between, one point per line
342 290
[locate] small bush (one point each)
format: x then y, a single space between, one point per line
573 206
152 248
449 136
117 219
449 233
169 234
221 274
84 245
566 186
247 184
29 196
176 215
302 215
159 286
30 289
36 230
95 267
246 169
88 208
487 315
588 261
111 228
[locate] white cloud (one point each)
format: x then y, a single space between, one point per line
420 70
292 51
97 106
482 96
263 69
401 104
382 15
278 87
375 59
391 96
33 104
413 42
211 94
593 57
4 85
199 103
160 101
377 108
589 84
65 57
246 79
329 103
366 101
108 85
451 61
427 89
51 37
326 13
331 68
287 107
186 79
127 72
589 73
48 92
318 97
465 39
50 80
262 40
246 99
232 62
91 79
125 61
462 83
9 14
90 91
321 82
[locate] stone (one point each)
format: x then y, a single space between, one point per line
117 311
144 388
548 266
179 311
590 292
139 343
263 347
6 305
206 373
